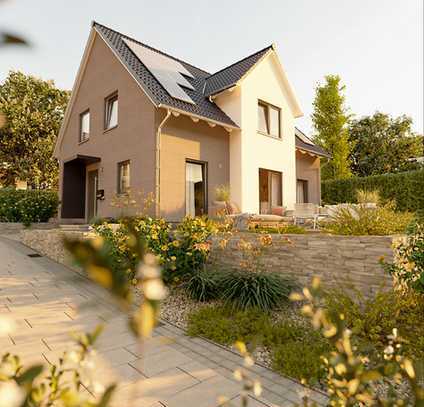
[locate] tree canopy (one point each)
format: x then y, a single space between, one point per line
330 118
382 144
33 110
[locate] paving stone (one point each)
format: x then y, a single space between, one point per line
204 394
197 370
153 364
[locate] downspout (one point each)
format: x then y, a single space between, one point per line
157 165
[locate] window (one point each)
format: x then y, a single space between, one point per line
196 199
111 112
84 126
269 119
302 191
123 177
270 190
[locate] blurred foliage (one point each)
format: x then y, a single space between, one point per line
351 378
286 229
27 206
33 110
61 386
408 264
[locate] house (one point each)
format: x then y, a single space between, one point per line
141 119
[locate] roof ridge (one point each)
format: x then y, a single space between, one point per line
300 131
240 60
94 23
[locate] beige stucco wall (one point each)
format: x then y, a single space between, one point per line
134 137
308 169
251 150
183 139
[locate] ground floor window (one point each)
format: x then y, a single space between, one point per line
123 177
196 188
302 191
270 190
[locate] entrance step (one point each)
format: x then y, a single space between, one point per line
75 228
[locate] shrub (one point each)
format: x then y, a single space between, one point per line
27 206
204 285
363 196
295 347
301 360
286 229
222 325
262 290
181 253
372 320
406 189
222 193
361 220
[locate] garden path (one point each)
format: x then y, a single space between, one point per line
48 300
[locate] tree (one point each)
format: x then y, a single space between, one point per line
382 144
330 118
34 110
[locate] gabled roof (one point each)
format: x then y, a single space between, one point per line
229 76
202 107
303 142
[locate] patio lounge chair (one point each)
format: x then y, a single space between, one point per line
306 211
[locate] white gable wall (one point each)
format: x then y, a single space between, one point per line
251 150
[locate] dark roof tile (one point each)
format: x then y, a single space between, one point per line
203 106
229 76
310 145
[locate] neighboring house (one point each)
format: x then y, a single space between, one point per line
141 119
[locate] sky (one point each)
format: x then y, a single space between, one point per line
376 46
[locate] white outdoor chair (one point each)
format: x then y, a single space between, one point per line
306 211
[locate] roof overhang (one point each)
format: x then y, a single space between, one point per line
312 153
86 159
196 118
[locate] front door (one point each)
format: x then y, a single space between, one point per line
92 194
196 188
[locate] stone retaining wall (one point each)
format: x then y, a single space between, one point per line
50 242
14 227
337 260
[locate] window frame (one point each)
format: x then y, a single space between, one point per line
268 107
80 138
120 165
204 165
305 184
107 110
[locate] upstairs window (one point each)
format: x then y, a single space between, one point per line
84 126
111 112
269 119
123 177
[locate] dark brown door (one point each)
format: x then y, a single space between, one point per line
91 194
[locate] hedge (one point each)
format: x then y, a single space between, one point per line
27 206
405 188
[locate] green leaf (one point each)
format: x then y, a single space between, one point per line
30 374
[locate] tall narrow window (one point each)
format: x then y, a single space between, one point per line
111 112
196 201
84 126
302 191
123 177
269 119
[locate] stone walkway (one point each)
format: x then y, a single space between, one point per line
48 301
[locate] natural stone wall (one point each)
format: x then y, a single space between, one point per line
50 242
14 228
337 260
